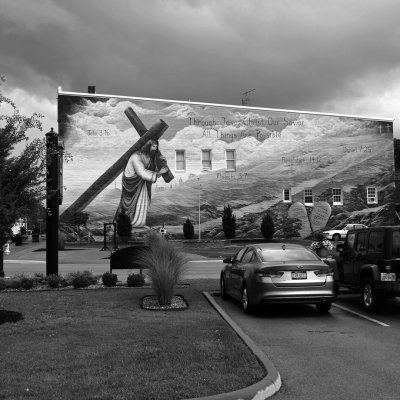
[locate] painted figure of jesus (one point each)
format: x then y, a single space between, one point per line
140 173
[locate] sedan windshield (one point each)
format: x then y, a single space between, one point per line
288 255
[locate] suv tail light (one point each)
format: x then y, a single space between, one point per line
325 272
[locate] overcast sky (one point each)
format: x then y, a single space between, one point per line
337 56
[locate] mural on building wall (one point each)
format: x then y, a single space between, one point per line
161 162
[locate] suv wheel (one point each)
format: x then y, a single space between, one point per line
247 308
369 297
336 237
223 290
324 307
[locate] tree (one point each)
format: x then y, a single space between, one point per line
267 226
188 229
229 222
291 228
22 176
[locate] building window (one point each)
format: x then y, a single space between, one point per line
308 197
206 160
372 197
287 196
230 160
337 197
180 161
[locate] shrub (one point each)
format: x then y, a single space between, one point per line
26 283
135 280
54 281
188 229
39 278
14 283
267 226
166 266
81 279
109 279
3 284
229 222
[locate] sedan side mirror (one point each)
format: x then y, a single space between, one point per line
228 260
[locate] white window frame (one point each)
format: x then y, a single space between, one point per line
289 195
308 192
209 167
176 160
372 195
232 160
337 196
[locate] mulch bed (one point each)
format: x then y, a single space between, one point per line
178 302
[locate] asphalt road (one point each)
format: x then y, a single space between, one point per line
343 355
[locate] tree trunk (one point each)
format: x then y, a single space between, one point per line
1 263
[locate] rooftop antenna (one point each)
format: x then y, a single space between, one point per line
246 97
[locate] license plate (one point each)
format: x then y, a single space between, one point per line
299 275
388 276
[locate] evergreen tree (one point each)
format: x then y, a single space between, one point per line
229 222
267 226
22 176
188 229
291 228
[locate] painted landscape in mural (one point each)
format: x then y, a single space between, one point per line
218 155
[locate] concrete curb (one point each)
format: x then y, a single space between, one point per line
261 390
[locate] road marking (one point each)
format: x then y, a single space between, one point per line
361 315
24 261
204 261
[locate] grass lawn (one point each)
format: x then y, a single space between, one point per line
100 344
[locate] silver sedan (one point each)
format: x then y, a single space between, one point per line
278 273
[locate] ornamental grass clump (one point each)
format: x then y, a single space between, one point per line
165 265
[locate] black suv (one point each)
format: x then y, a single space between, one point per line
369 262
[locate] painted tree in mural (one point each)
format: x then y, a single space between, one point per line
22 176
291 228
229 222
267 226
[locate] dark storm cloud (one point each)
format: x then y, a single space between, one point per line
296 54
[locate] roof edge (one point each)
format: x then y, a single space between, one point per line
84 94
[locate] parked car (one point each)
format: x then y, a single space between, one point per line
369 263
340 234
278 273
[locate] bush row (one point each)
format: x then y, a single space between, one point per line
75 279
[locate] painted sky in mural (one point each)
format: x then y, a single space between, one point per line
273 150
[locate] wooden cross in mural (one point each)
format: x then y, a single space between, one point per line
155 132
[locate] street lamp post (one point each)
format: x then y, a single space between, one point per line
199 211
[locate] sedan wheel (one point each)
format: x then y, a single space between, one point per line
245 300
370 299
223 290
336 237
324 307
